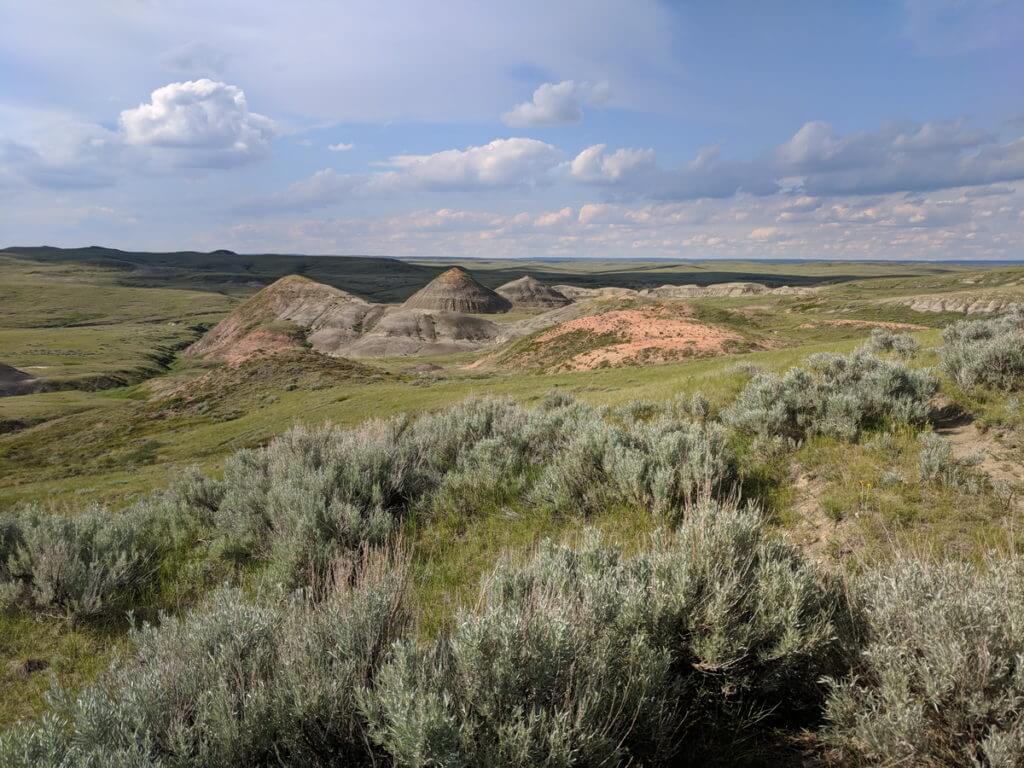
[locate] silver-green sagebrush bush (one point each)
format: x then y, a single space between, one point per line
834 395
986 352
238 683
938 465
587 657
660 465
312 494
96 562
882 340
941 680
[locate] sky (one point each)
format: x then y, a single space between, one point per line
539 128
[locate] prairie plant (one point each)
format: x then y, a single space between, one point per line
834 395
985 352
940 681
237 683
586 657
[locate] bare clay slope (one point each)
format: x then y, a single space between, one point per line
295 312
529 292
457 291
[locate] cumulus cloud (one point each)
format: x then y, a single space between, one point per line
69 156
555 218
196 124
502 162
202 123
939 225
556 104
635 173
818 161
340 147
596 164
897 158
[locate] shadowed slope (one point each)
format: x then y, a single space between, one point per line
527 291
15 382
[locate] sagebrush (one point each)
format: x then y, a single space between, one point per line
237 683
941 680
882 340
834 395
986 352
584 656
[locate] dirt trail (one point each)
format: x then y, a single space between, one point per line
822 539
999 449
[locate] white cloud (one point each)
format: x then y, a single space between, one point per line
897 157
502 162
928 226
346 62
62 154
596 164
555 218
766 233
201 123
340 147
556 104
818 161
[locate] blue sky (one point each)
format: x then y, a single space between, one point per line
565 128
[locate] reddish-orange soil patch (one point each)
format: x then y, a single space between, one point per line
649 335
259 343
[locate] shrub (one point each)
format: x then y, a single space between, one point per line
942 678
660 465
312 494
586 657
938 465
882 340
92 563
986 352
236 684
837 396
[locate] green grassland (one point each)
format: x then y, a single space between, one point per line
105 326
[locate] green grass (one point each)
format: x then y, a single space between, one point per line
77 325
73 656
95 318
76 458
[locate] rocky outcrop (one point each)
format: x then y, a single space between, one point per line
303 303
529 293
577 292
684 291
457 291
408 332
294 313
969 305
